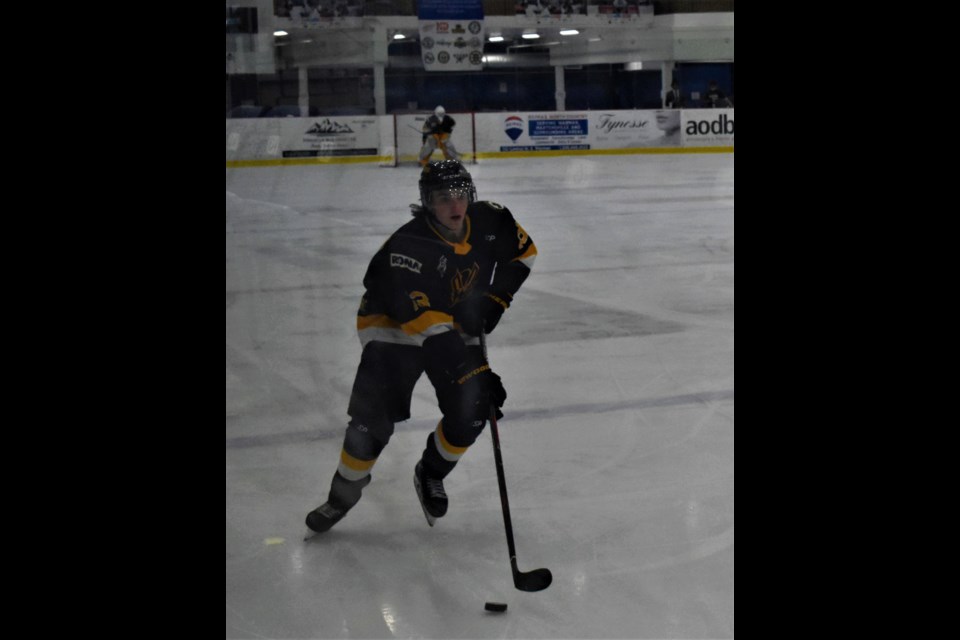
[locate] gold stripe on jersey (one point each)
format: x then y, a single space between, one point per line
425 321
420 324
447 451
376 320
383 328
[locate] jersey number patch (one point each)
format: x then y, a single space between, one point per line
522 236
420 300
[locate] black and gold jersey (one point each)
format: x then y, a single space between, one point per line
417 278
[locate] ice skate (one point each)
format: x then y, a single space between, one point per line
430 491
323 518
344 494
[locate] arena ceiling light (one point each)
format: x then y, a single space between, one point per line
568 32
533 35
279 33
495 38
398 36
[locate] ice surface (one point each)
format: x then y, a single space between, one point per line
618 442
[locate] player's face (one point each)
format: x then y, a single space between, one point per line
450 208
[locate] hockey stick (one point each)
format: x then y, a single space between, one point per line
538 579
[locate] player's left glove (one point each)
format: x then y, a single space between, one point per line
480 313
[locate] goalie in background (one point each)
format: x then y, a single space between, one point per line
436 133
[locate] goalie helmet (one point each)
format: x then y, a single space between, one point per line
439 111
448 175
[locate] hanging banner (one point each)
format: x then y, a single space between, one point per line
451 34
314 14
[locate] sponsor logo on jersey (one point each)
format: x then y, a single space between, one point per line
442 265
405 262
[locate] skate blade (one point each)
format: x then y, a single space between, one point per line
430 519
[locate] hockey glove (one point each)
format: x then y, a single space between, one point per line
480 313
478 387
466 386
481 382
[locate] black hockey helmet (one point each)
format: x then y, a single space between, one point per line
445 174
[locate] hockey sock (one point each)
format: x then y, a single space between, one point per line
346 493
440 456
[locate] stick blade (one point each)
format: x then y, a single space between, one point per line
536 580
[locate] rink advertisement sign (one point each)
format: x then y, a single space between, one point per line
451 34
707 127
545 132
329 136
571 131
346 139
629 129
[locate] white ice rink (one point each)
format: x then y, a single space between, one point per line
618 442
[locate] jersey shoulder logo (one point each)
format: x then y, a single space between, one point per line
405 262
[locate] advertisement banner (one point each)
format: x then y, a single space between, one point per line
708 127
345 139
329 136
318 14
567 131
451 34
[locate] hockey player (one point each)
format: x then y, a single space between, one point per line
436 133
437 282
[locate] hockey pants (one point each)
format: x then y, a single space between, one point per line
441 140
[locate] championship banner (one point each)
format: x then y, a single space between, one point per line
451 34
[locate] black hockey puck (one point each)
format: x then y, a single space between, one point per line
499 607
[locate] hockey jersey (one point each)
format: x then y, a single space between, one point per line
438 125
415 281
